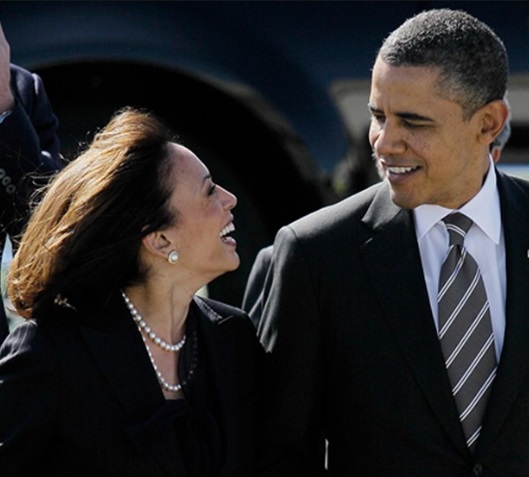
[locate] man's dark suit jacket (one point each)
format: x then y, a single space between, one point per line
354 353
252 301
29 147
74 386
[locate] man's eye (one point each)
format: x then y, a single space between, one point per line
412 125
211 190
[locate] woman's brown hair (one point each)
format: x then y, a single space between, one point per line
82 241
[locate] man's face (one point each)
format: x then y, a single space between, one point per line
424 147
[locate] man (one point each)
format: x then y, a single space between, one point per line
29 147
361 355
252 300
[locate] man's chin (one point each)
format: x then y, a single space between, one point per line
403 201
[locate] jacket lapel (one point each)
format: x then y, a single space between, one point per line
393 262
115 344
118 350
514 361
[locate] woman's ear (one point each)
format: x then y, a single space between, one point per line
494 115
157 243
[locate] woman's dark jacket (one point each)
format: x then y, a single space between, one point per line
79 397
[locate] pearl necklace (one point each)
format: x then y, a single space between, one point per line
145 328
142 327
174 388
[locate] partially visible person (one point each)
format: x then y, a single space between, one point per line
29 148
121 369
499 143
252 300
378 346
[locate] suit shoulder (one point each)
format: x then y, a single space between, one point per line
30 339
18 71
22 79
345 212
520 183
217 311
514 188
230 321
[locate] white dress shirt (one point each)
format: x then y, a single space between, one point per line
484 241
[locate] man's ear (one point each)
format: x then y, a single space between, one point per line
494 116
157 243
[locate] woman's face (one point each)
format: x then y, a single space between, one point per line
204 220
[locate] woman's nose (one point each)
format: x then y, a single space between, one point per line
230 199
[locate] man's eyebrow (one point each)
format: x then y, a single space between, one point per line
404 115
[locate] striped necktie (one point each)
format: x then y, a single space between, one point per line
465 329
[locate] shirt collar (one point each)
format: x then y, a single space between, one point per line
483 209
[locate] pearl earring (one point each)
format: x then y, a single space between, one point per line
172 258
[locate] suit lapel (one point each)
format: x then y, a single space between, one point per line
118 350
117 347
514 362
393 263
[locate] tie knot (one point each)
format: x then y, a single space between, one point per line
457 225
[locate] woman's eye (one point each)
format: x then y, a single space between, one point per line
211 190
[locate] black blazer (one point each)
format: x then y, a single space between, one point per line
74 389
354 354
29 150
252 300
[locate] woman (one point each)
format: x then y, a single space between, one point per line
120 369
